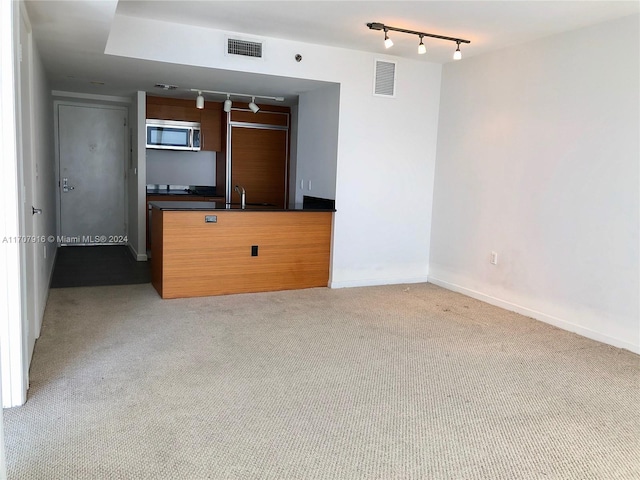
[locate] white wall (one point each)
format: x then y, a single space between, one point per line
181 168
139 161
318 115
386 147
538 161
293 155
132 179
136 188
45 180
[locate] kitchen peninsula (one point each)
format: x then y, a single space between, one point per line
213 248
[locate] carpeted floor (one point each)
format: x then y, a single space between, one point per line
392 382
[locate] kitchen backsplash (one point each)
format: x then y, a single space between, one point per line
181 168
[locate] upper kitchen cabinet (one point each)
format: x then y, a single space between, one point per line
210 118
211 127
163 108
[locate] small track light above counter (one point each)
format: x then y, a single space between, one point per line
228 102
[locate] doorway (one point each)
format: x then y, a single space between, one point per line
92 147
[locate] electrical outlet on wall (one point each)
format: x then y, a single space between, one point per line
301 184
494 258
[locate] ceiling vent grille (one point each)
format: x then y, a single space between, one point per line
245 48
384 84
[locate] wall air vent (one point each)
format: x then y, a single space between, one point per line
384 82
246 48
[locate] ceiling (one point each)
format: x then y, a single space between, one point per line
71 35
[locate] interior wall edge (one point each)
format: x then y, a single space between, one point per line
140 257
561 323
45 292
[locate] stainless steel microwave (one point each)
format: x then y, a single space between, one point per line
173 135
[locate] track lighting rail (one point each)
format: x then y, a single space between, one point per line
457 55
277 99
227 103
382 26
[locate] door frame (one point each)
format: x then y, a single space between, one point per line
12 341
126 159
27 183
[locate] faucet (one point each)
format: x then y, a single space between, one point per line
243 195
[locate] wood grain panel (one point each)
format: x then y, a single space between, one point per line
165 198
202 259
173 112
180 102
157 250
262 117
211 128
259 164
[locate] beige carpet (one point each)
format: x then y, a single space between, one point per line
393 382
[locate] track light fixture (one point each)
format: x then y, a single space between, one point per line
252 106
457 55
227 103
200 101
388 43
421 47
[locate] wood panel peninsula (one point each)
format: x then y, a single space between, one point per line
210 248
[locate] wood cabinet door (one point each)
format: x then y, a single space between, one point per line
259 164
211 129
173 112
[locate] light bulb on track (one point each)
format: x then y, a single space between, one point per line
388 43
200 101
421 48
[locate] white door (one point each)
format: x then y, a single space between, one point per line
92 142
29 247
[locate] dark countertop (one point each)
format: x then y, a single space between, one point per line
171 192
211 206
192 190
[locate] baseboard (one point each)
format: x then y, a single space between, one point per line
140 257
371 282
543 317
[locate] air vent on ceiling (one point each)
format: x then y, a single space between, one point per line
384 84
236 46
166 86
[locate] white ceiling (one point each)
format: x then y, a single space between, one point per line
71 35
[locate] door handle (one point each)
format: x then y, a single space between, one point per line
35 211
65 185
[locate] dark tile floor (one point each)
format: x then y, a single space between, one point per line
98 265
